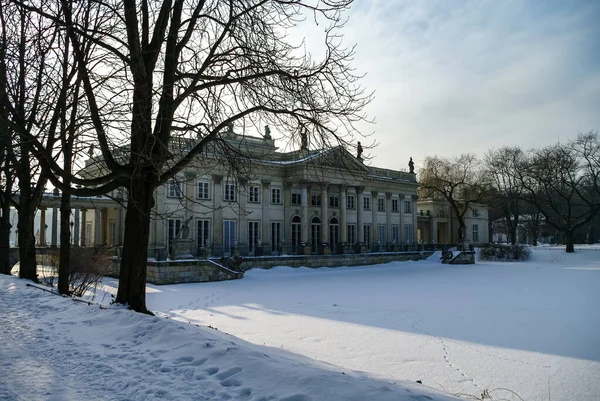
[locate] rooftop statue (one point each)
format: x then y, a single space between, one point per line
411 166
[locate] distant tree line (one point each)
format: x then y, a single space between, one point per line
556 186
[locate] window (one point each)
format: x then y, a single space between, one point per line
367 234
175 188
203 233
253 235
350 202
276 196
334 232
296 197
407 206
351 233
296 233
315 231
254 194
112 229
381 234
395 205
395 234
229 236
475 212
441 213
381 204
366 203
276 236
475 233
173 232
203 190
408 234
229 194
334 200
315 199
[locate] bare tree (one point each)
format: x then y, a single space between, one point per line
166 79
500 166
460 181
562 182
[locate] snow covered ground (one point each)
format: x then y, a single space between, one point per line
531 327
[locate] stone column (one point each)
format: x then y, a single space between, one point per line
374 225
304 214
388 218
243 213
42 239
83 218
287 225
414 217
97 227
401 239
265 238
54 237
359 214
324 214
76 226
343 225
104 225
217 237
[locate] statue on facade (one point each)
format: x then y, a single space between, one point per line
267 132
185 229
359 151
303 140
90 151
411 166
230 128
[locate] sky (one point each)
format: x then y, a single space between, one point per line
456 76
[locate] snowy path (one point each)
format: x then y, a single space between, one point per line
55 349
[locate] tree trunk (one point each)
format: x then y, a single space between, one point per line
26 238
5 228
132 277
65 244
513 235
570 239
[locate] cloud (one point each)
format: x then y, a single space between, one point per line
453 77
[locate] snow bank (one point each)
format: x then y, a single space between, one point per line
57 349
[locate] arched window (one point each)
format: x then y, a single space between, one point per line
296 233
315 230
441 213
334 233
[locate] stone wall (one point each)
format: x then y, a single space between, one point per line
464 258
183 271
267 262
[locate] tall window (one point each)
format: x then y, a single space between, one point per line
203 233
315 231
351 233
229 192
407 206
229 236
408 234
395 205
350 202
203 190
296 197
253 233
315 199
254 194
334 200
173 232
296 233
367 234
475 233
112 227
276 196
174 188
381 204
381 234
334 232
366 203
275 236
396 234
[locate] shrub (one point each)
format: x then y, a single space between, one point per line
501 252
87 268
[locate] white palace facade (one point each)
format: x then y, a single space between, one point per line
298 202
